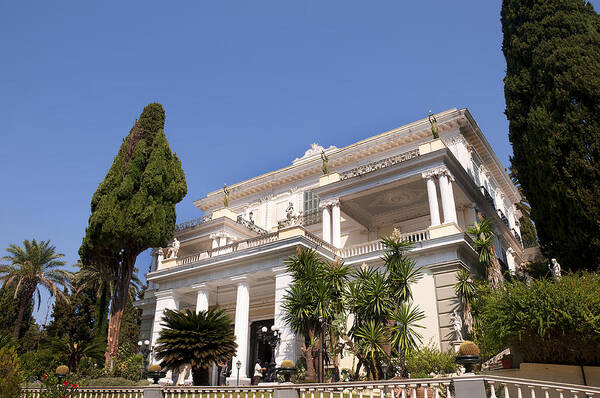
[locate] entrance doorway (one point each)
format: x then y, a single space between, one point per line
259 350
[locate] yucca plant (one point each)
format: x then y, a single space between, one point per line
483 241
196 339
465 289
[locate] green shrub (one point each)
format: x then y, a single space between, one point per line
548 321
34 364
429 361
10 380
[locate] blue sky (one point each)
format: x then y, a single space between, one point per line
247 87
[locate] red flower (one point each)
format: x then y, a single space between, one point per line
74 386
46 376
66 383
63 396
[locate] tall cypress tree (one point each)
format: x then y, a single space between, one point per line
133 209
552 90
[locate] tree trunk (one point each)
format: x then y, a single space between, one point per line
117 307
26 298
200 376
101 313
495 271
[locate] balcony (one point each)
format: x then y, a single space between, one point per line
502 217
376 245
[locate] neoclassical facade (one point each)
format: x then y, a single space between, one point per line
429 189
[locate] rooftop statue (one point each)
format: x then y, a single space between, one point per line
434 127
325 166
226 197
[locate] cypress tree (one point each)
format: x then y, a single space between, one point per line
133 209
552 90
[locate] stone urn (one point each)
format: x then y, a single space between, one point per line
468 355
287 369
155 373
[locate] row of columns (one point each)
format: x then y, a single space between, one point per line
168 299
332 222
445 179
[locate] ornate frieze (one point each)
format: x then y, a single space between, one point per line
379 164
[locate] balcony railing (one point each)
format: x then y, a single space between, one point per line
192 223
379 164
376 245
502 216
487 195
473 386
251 226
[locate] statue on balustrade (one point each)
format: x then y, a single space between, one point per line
226 196
290 211
434 126
457 325
325 166
173 249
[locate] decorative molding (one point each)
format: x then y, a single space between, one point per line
314 151
329 202
457 139
379 164
436 172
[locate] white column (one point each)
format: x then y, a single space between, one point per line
223 240
242 307
202 298
326 224
165 300
287 342
215 240
448 206
434 209
336 224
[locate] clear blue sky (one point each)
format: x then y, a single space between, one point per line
247 87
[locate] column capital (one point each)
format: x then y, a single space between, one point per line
165 293
329 202
437 172
240 279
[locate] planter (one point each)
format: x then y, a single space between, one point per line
507 363
467 361
286 373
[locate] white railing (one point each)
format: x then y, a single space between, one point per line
497 387
506 387
93 392
376 245
219 392
429 388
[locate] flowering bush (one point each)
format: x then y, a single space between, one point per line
52 387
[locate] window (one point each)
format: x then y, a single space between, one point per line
311 203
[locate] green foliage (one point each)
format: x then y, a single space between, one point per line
405 337
73 318
52 387
34 364
10 379
547 321
465 288
128 363
9 311
483 237
133 209
75 350
552 90
428 361
196 339
114 382
31 266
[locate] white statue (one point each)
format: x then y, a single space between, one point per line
173 249
554 268
290 211
457 325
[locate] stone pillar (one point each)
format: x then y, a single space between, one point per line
448 206
434 209
336 225
287 343
326 224
202 297
242 308
165 300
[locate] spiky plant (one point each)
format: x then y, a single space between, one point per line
196 339
31 266
483 241
404 335
465 289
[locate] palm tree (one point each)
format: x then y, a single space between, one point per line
483 241
103 281
30 266
312 302
465 289
76 350
380 300
196 339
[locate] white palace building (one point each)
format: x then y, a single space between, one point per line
429 189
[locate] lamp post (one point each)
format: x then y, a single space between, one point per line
145 350
384 367
322 351
238 365
272 339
